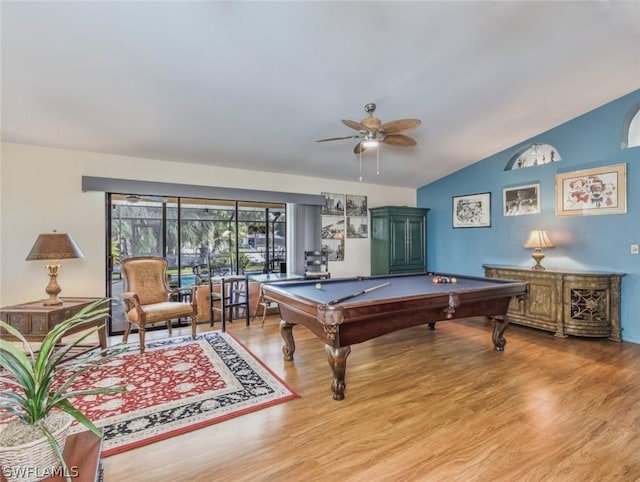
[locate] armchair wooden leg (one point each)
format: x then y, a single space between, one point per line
127 330
142 333
194 324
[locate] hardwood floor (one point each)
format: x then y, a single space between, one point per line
422 405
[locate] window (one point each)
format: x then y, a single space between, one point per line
631 128
533 155
233 236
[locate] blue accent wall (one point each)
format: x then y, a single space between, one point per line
588 243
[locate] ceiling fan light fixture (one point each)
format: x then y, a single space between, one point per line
370 143
372 132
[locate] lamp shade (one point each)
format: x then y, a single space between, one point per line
538 239
54 246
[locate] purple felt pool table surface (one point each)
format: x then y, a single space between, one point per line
343 312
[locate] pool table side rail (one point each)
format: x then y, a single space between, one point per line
351 323
381 278
278 293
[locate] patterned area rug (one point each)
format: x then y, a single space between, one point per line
178 385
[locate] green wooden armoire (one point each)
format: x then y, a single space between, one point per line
398 239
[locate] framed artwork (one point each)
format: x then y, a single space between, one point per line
356 205
334 249
357 219
472 210
333 204
357 227
332 227
602 190
521 200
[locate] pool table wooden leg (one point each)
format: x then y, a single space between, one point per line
338 363
501 324
286 330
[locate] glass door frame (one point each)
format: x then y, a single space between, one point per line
240 255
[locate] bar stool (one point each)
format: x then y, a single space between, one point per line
231 294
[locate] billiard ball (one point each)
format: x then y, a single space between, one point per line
443 279
318 286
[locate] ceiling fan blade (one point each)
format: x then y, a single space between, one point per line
395 126
359 148
354 125
337 138
399 140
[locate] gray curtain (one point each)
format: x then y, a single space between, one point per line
305 227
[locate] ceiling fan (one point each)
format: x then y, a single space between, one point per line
372 131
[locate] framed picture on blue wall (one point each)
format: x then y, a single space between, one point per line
472 210
602 190
521 200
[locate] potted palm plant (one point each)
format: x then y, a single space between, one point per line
31 444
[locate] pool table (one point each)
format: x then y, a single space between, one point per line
343 312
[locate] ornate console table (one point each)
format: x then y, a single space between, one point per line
566 302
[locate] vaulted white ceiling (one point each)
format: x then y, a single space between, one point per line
253 85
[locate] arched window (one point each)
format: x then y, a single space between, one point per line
631 128
533 155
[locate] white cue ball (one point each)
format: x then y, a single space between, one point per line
318 286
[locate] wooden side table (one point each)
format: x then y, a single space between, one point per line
82 456
34 320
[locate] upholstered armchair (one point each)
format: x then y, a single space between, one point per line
148 299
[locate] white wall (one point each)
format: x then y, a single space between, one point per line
40 190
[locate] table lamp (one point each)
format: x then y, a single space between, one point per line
538 239
54 246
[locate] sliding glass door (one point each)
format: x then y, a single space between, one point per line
233 237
